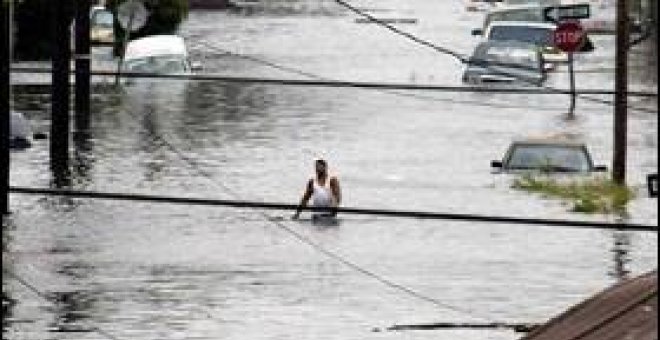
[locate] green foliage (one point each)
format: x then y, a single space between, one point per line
593 195
165 16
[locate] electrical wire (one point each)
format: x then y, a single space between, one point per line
397 93
237 203
347 84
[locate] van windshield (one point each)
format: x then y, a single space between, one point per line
539 36
157 64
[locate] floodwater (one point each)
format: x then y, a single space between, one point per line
98 269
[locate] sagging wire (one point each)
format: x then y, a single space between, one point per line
397 93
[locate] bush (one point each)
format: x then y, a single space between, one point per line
35 42
593 195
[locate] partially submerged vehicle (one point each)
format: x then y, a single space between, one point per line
537 33
101 26
160 54
505 62
19 131
549 155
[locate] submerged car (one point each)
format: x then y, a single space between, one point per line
549 155
19 131
160 54
505 62
101 26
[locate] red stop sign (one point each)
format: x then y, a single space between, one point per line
569 36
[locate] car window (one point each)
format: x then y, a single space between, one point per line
508 55
102 18
558 158
534 35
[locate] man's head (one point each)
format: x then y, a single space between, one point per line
321 167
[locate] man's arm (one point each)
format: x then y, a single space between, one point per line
336 190
305 198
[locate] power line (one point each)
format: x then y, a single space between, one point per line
440 49
345 210
392 92
350 84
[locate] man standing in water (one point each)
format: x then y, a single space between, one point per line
324 191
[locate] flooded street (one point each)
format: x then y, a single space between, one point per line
162 271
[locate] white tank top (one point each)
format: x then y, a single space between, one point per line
322 195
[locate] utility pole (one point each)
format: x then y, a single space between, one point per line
620 90
5 109
60 122
83 67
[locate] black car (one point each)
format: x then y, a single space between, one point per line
547 155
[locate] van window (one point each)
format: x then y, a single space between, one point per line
102 18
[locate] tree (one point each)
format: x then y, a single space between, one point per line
34 28
165 16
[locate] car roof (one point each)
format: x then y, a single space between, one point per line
523 24
506 43
562 139
510 7
155 45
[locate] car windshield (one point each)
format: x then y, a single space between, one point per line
159 64
535 35
549 157
507 55
102 19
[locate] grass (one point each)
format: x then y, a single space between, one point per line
592 195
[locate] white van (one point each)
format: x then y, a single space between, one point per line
161 54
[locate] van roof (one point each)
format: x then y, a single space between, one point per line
155 45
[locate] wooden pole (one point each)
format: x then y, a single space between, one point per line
5 110
83 66
571 74
60 125
620 89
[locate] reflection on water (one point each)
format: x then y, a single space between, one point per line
621 255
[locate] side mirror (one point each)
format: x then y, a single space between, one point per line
600 168
548 66
496 164
195 65
477 31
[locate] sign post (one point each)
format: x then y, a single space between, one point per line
132 16
569 37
